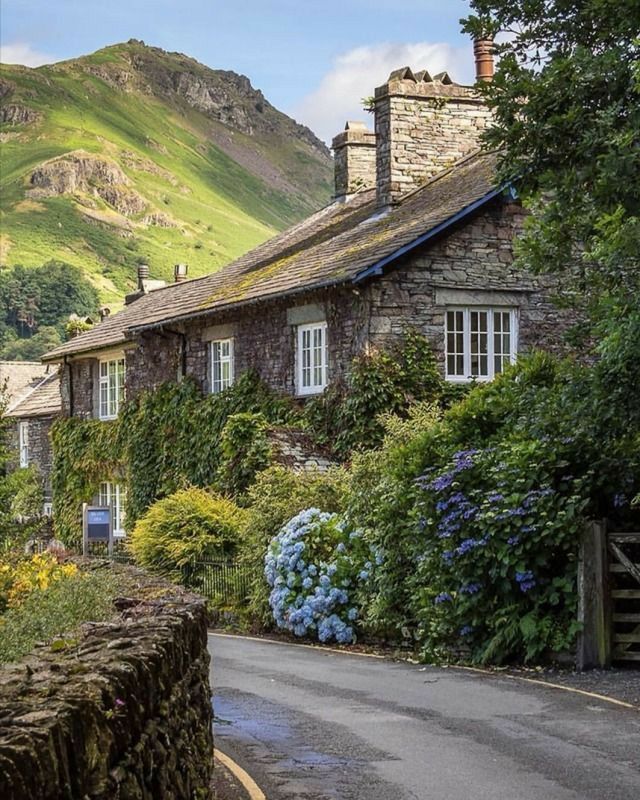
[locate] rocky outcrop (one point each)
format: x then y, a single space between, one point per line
123 713
15 114
80 172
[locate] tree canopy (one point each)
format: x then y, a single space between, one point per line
35 304
566 98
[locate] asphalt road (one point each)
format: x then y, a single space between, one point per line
309 724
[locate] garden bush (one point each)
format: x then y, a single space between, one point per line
55 611
21 576
189 525
277 495
346 416
315 567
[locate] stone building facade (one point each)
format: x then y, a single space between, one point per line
420 235
29 433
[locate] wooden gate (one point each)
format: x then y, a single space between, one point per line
624 571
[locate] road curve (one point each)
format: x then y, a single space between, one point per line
310 724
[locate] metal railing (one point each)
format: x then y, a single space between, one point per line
225 582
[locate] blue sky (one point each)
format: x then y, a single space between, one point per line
314 60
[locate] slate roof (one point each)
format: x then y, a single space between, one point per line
341 243
42 401
21 377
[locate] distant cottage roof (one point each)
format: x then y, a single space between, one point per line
42 401
345 242
20 377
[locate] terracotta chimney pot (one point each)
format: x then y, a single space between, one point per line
483 52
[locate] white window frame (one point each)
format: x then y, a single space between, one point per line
218 361
113 496
111 393
491 354
312 372
23 442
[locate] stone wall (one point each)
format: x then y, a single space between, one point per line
77 388
264 341
423 127
40 450
123 715
471 266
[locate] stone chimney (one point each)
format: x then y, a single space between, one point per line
354 152
423 125
104 312
180 273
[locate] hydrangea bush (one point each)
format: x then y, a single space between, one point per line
316 568
495 572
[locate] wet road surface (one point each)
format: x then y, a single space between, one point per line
310 724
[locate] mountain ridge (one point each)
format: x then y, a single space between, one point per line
134 154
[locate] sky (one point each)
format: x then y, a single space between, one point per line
313 60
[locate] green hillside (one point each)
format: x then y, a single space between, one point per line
134 155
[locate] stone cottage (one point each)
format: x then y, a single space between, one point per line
420 233
32 417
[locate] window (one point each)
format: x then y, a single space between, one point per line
221 364
480 342
312 358
23 437
111 388
113 495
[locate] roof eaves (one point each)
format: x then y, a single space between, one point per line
378 267
310 287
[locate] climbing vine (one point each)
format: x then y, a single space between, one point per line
162 441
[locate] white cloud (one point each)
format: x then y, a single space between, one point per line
356 73
23 53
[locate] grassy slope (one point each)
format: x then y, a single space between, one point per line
221 208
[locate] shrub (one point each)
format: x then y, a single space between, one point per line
496 552
190 525
26 575
314 567
56 611
277 495
347 415
245 450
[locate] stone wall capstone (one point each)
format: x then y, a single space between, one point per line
123 714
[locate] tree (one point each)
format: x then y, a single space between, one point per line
566 98
35 304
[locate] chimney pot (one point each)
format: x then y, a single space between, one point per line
483 53
180 272
104 313
143 275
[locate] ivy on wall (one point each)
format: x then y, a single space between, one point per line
162 441
176 437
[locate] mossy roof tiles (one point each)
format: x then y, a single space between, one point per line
333 246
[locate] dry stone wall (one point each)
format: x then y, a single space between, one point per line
123 715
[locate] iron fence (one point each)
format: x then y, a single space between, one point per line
225 582
101 550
